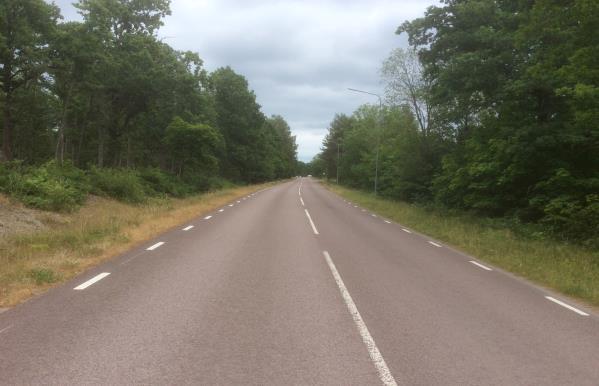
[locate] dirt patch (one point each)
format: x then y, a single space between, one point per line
14 219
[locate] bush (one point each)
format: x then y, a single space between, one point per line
48 187
158 182
122 184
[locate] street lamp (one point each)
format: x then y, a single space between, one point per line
378 137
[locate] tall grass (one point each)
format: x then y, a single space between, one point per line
570 269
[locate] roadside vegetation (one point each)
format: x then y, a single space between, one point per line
71 242
522 249
493 109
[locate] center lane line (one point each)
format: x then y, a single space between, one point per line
375 355
311 222
302 201
157 245
91 281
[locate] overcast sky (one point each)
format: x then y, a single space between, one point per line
298 56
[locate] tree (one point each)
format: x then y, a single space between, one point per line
26 27
193 147
405 85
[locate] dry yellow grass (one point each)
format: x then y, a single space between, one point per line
102 229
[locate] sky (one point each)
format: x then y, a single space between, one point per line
299 57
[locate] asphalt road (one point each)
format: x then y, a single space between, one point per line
294 285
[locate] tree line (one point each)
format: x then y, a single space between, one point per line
493 109
106 92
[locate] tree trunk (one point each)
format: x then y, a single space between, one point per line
60 143
8 124
100 147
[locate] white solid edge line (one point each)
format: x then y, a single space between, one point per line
480 265
207 217
311 222
435 244
158 244
302 201
188 228
375 355
91 281
579 312
406 230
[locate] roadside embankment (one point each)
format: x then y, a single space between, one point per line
44 249
570 269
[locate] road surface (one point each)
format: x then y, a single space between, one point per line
295 285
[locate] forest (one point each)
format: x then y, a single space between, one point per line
104 106
493 110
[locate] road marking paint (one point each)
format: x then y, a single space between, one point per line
207 217
579 312
302 200
311 222
239 202
221 210
435 244
355 206
230 204
91 281
388 222
480 265
157 245
5 329
244 198
375 355
406 230
188 228
363 210
373 215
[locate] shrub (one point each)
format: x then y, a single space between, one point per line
122 184
159 182
48 187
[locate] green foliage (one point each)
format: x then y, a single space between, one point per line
105 91
159 182
48 187
43 276
122 184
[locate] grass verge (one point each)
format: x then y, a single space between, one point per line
100 230
567 268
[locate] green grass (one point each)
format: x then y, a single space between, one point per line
567 268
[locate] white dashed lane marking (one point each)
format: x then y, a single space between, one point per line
157 245
579 312
91 281
480 265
